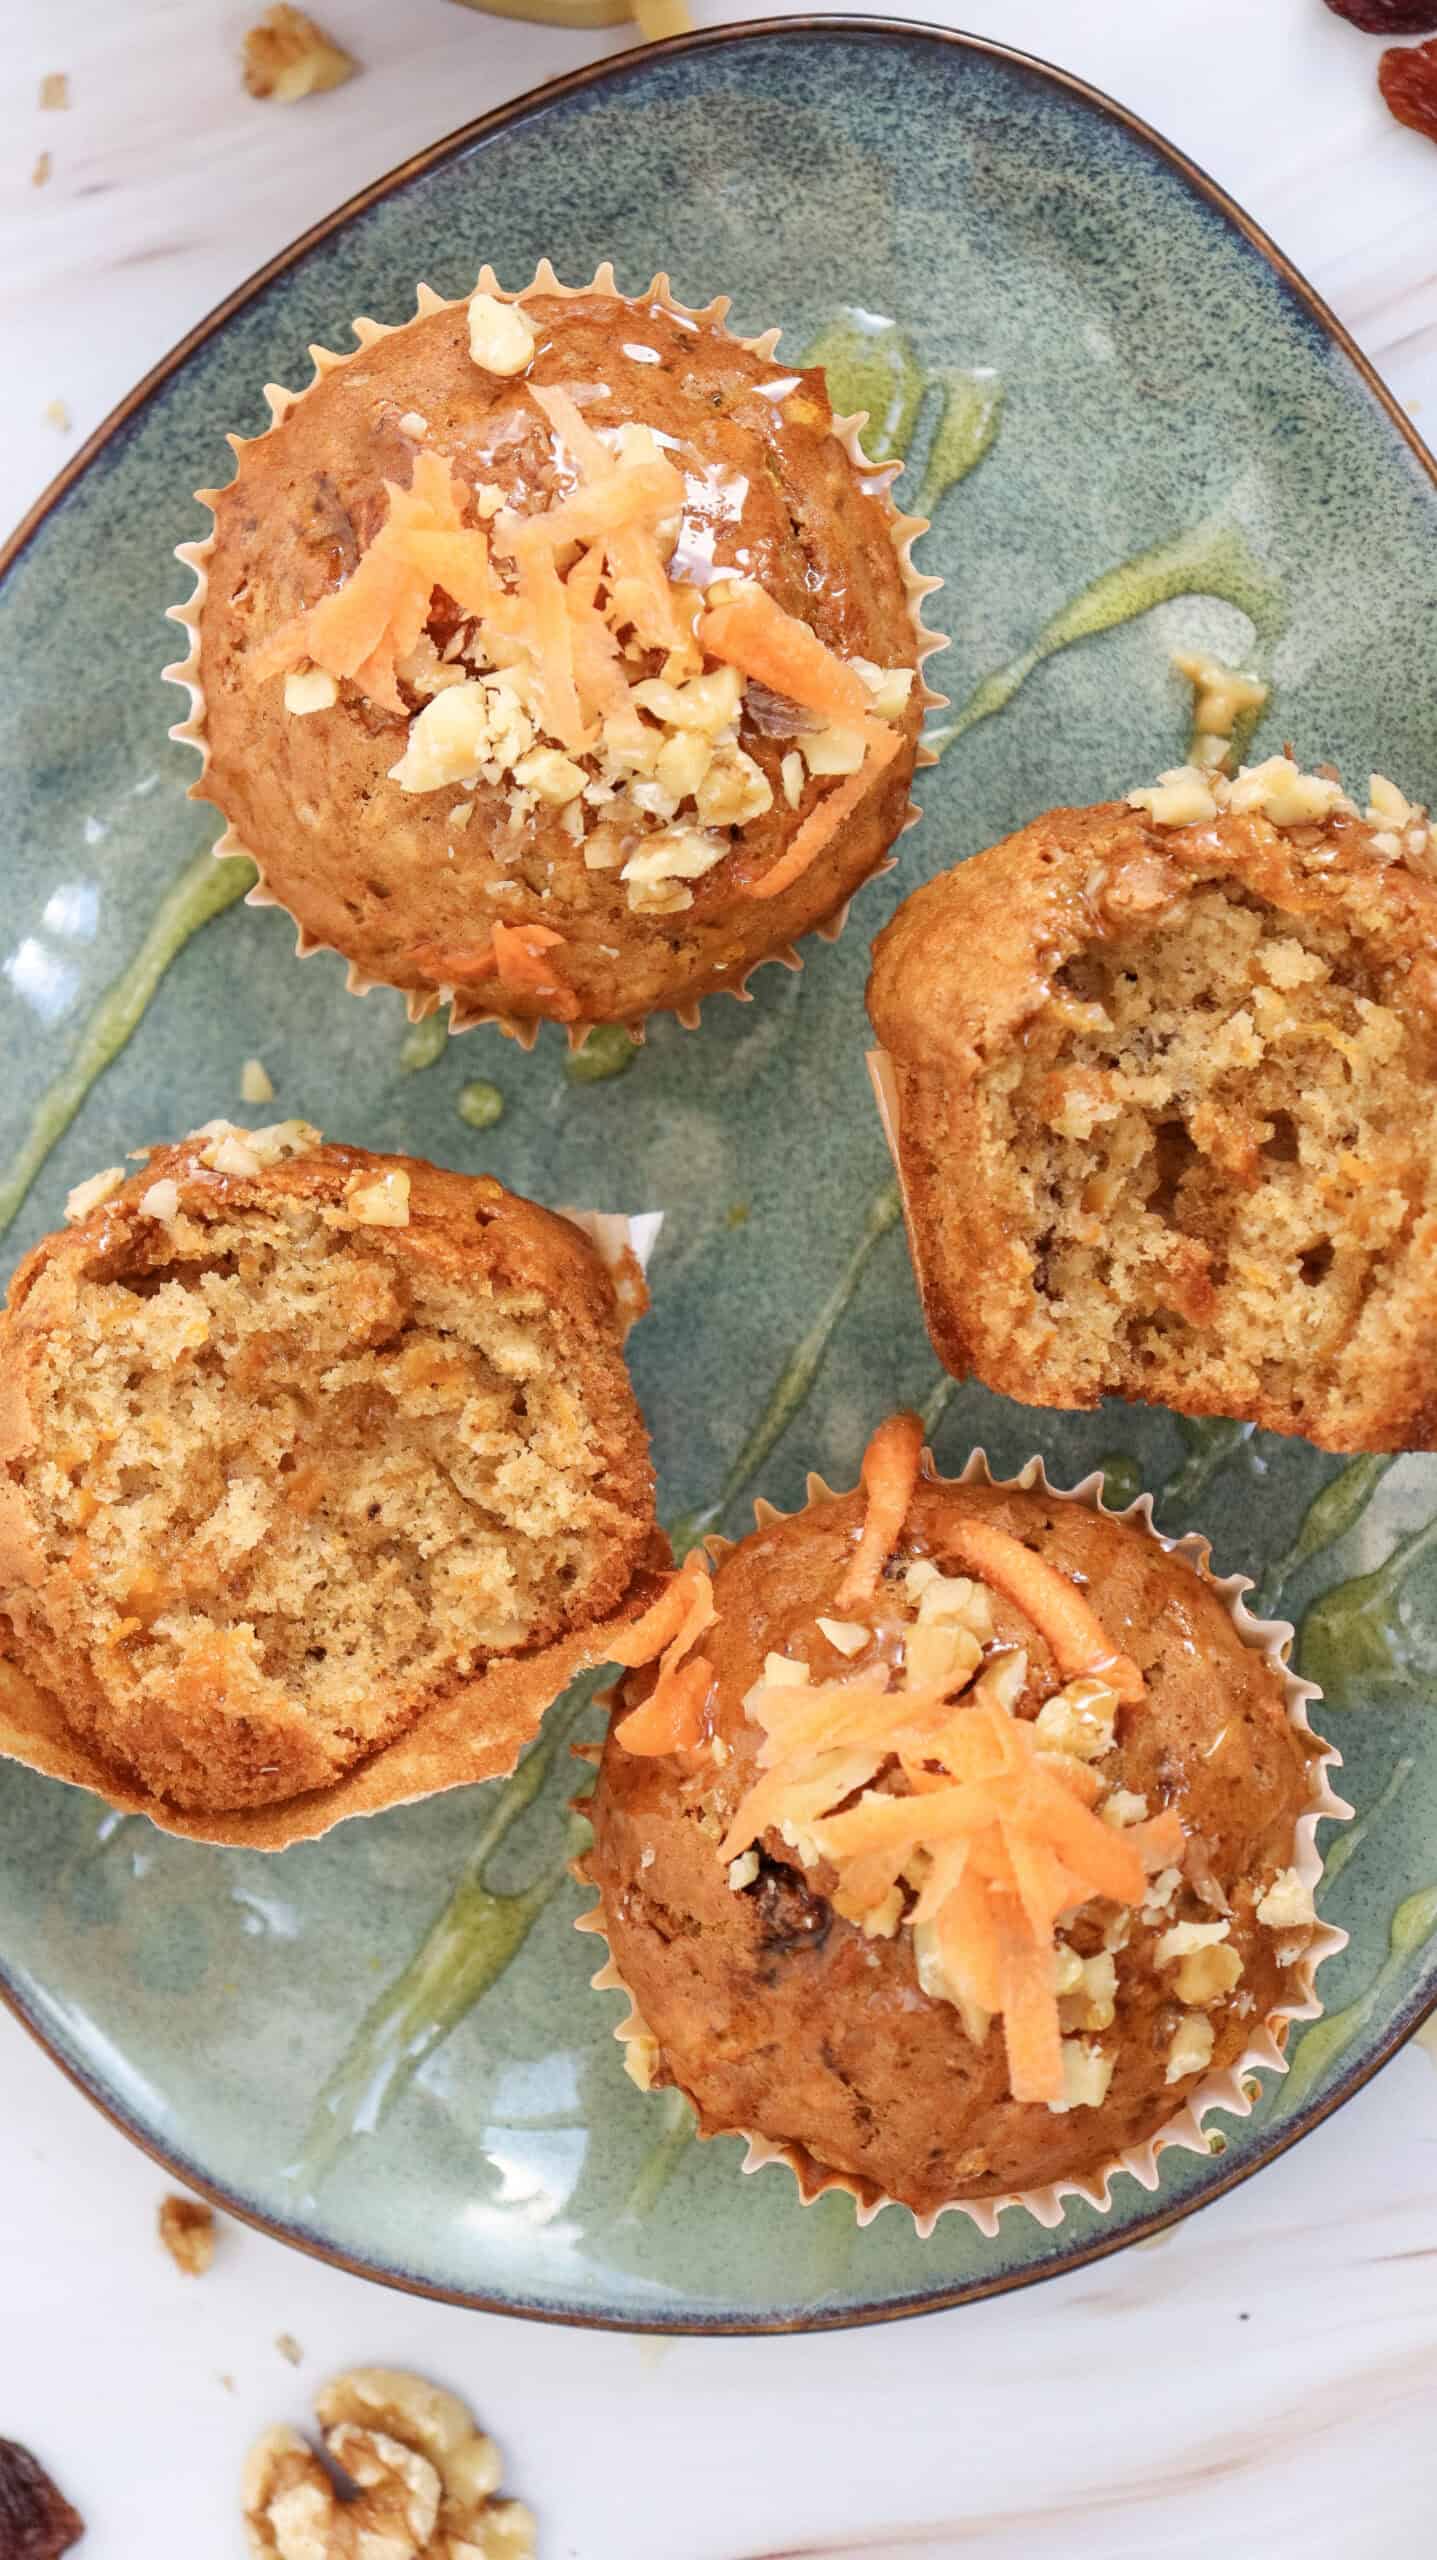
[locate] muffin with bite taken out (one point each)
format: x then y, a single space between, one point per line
1160 1076
556 656
950 1836
314 1464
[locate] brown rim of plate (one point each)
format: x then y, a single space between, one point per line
596 75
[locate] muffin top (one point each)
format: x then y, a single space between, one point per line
555 654
969 1847
1164 1071
295 1441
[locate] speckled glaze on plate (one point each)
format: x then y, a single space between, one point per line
1135 431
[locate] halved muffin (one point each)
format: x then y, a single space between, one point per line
296 1442
1161 1076
557 654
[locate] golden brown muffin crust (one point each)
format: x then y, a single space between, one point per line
778 2017
275 1480
384 876
1215 1194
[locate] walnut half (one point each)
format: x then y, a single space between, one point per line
422 2476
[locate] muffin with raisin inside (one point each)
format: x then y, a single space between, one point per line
956 1836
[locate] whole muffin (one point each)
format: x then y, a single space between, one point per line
295 1442
968 1851
555 655
1163 1075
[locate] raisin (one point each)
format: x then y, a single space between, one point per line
1407 77
36 2523
1388 17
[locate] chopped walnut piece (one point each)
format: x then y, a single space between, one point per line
256 1084
381 1202
187 2229
36 2522
424 2480
89 1195
501 338
286 56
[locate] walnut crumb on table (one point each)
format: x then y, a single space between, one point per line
187 2229
55 89
287 56
423 2478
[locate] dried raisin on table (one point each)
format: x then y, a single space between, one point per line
1388 17
36 2523
1407 77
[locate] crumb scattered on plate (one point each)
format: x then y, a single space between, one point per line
57 416
40 174
287 56
290 2348
55 89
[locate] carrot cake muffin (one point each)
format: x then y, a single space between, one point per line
294 1441
952 1841
1163 1076
555 653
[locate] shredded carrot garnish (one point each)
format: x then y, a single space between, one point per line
519 961
828 814
993 1835
755 635
671 1717
515 955
542 592
567 419
1071 1629
890 1472
685 1601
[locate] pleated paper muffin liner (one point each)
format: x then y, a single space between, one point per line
1226 2088
476 1731
878 478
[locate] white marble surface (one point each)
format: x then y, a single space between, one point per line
1264 2373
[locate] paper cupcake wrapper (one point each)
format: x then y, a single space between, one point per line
1223 2089
878 479
474 1733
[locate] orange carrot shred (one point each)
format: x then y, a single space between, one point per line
1031 2031
671 1718
1069 1626
687 1596
755 635
890 1472
828 815
520 964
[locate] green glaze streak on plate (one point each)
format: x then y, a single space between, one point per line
870 366
455 2111
476 1937
1330 1516
1355 1643
424 1044
202 892
1211 560
795 1379
1413 1923
608 1050
967 426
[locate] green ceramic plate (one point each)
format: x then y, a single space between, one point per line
1135 431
